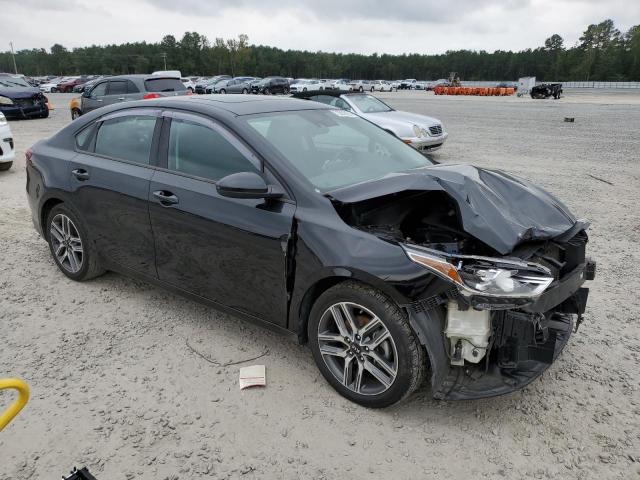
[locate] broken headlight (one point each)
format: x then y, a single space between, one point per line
486 276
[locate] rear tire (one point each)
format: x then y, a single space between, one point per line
70 245
5 166
377 360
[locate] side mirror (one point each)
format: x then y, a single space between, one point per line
247 185
86 93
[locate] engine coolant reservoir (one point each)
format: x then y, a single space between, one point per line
469 331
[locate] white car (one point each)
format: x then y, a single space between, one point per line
304 85
382 86
7 152
52 85
189 84
361 86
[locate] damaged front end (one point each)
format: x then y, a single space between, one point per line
511 261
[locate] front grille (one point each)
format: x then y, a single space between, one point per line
23 102
436 130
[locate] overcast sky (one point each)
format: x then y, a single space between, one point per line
361 26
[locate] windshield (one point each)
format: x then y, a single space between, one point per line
334 148
7 81
369 104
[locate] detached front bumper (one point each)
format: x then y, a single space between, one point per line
525 339
15 112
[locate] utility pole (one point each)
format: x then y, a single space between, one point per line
13 54
164 57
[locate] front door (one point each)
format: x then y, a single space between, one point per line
231 251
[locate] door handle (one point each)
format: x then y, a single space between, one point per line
99 100
165 198
80 174
120 98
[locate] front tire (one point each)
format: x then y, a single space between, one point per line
75 113
364 347
245 91
70 246
222 91
5 166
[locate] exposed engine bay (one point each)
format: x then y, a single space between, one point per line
506 316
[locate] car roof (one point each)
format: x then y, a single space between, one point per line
234 104
140 77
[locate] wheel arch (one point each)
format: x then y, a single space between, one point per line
47 206
321 285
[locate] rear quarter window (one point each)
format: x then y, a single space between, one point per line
164 85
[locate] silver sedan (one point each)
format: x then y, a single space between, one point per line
421 132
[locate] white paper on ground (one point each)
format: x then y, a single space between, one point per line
252 376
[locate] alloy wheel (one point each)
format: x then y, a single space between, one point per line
357 348
66 243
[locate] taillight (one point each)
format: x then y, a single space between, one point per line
148 96
27 156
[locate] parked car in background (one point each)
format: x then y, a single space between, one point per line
125 88
408 84
361 86
7 151
51 86
233 85
271 85
382 86
189 84
67 85
88 84
207 85
18 99
305 84
420 86
425 134
513 85
393 270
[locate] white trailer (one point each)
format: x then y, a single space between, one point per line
525 84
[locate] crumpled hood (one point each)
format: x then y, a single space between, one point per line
496 208
19 92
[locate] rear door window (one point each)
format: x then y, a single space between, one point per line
117 87
126 138
131 87
164 85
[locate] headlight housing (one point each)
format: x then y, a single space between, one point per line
3 119
417 131
485 276
5 100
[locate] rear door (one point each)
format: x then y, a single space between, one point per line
109 180
229 250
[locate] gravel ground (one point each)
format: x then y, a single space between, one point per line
115 387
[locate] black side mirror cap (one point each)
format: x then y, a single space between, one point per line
247 185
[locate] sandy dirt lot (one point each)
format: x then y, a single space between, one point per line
115 388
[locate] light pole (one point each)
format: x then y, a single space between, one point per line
164 57
15 67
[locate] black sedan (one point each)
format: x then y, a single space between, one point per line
19 100
324 226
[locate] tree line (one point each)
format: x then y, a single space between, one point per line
603 53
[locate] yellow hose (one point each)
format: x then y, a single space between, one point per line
18 404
